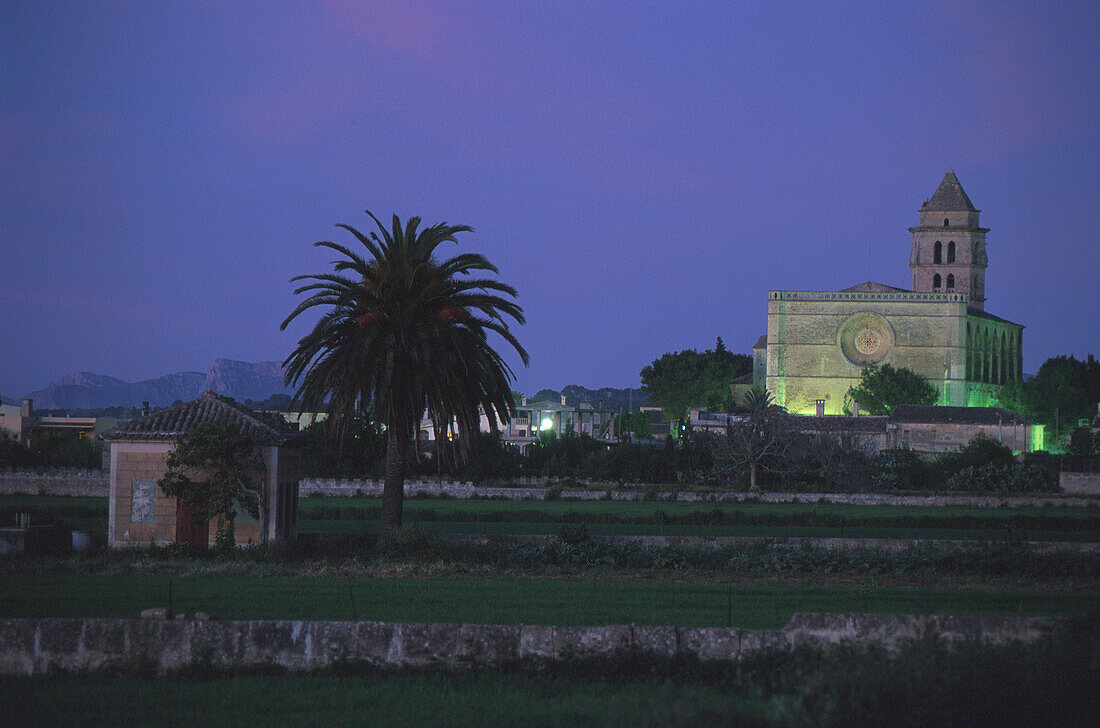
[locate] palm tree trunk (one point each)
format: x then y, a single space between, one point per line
393 487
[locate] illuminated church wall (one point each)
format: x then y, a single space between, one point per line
818 342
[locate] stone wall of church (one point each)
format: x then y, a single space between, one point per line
819 342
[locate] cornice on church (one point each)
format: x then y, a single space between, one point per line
951 228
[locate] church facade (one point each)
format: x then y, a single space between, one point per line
818 342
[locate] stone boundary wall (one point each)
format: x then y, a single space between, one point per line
1080 483
800 542
95 483
461 490
40 646
62 481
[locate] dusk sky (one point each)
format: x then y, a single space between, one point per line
643 173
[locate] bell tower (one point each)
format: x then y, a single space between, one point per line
948 254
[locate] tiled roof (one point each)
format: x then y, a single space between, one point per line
839 424
209 409
932 414
949 196
991 317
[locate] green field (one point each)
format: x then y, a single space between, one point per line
618 518
502 600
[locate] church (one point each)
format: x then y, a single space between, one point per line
818 342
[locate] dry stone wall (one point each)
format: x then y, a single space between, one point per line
95 483
536 489
1080 483
62 481
39 646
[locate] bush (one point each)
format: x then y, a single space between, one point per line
574 534
413 543
899 469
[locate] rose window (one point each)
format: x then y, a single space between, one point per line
867 341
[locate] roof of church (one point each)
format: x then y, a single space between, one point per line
949 196
987 315
209 409
920 413
872 287
761 343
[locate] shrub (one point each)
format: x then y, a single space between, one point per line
574 534
899 469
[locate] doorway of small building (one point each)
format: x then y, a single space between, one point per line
190 529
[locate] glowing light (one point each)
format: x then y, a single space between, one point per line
546 424
1037 438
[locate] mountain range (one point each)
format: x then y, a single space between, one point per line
238 379
244 380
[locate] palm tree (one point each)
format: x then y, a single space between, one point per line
404 332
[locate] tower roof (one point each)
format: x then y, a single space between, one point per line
949 196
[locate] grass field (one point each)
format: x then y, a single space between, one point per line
765 520
514 600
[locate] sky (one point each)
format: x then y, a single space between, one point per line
642 173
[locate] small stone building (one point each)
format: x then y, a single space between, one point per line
140 513
935 429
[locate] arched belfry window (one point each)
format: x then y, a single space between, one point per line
946 222
951 252
936 282
950 282
937 253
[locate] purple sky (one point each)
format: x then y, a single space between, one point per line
642 173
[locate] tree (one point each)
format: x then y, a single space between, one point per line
636 422
881 389
760 440
681 380
214 468
404 332
1062 393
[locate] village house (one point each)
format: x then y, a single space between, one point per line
140 513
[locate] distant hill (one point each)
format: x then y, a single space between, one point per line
238 379
605 398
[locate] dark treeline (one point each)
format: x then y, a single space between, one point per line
698 460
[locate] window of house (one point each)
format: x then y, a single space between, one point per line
937 253
936 281
951 252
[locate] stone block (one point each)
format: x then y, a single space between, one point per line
591 641
711 644
655 640
59 636
369 643
422 644
537 641
487 644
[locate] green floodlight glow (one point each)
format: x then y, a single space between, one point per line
1037 438
546 424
